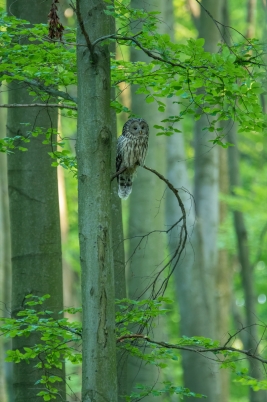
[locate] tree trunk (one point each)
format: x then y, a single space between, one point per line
119 260
196 276
252 338
146 213
223 278
94 141
224 272
5 258
251 11
34 213
118 247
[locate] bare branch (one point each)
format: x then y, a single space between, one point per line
58 105
171 187
142 237
172 263
47 89
82 27
118 173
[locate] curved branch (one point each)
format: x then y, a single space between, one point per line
172 263
181 242
171 187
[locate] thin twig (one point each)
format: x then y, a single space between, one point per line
118 173
181 242
84 32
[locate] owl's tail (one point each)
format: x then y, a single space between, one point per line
125 182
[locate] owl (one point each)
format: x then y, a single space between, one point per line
131 152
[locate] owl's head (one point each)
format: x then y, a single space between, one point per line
136 127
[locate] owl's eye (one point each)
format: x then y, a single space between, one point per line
135 128
143 127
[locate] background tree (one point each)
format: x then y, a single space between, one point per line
196 283
145 210
5 260
34 214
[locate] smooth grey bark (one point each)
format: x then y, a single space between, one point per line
94 141
251 13
196 274
252 335
224 272
34 214
5 258
118 247
146 203
146 213
223 278
118 259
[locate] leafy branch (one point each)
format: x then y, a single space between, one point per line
194 348
61 339
50 90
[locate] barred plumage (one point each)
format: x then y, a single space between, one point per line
131 152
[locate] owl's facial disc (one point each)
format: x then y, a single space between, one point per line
142 128
136 128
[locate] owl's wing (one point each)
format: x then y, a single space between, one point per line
119 156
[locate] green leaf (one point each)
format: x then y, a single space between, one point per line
200 42
149 99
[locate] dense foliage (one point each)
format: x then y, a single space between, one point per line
61 338
223 86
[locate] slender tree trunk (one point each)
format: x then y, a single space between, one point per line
251 13
119 261
35 231
146 213
223 278
196 276
94 141
118 247
252 338
34 213
5 258
224 290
